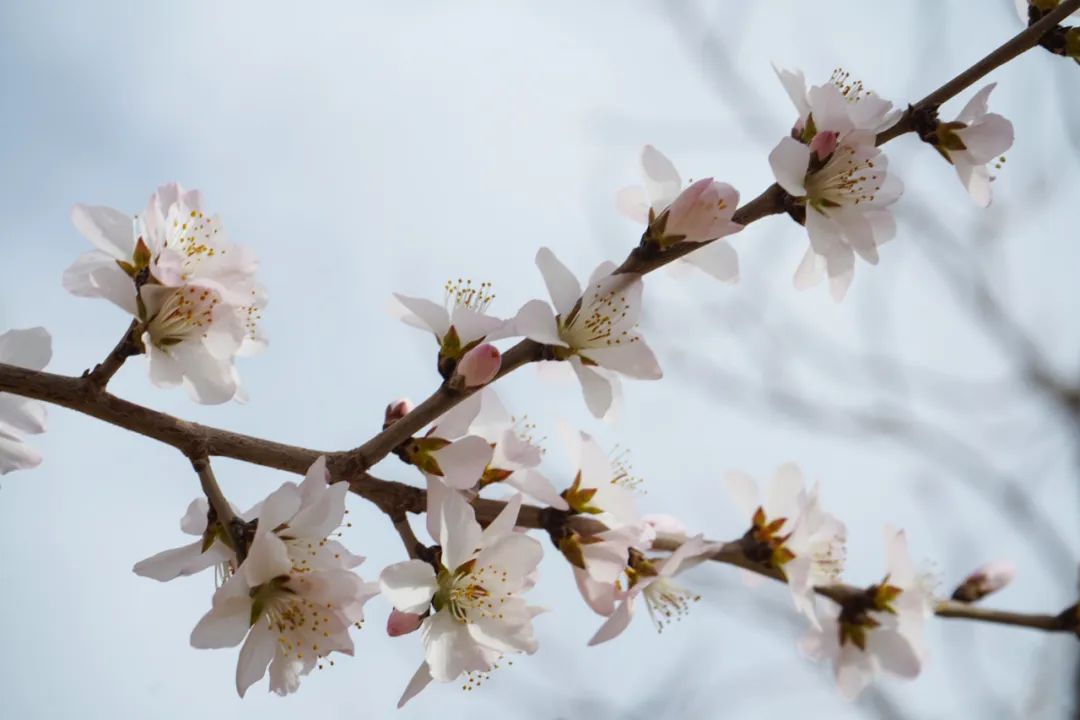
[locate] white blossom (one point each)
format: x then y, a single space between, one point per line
174 268
840 178
474 610
461 322
596 331
699 213
666 600
294 598
30 349
976 138
793 533
880 629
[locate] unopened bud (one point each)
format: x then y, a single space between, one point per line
700 213
824 144
986 580
395 411
479 366
400 623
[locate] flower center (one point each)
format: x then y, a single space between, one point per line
848 178
852 90
667 602
472 593
600 320
186 314
462 293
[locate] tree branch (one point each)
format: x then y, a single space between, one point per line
220 505
128 346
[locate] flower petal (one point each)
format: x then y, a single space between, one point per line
255 655
409 586
595 387
463 461
562 286
790 160
111 231
536 321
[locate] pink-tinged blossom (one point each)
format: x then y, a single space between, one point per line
975 139
472 601
400 623
831 165
595 331
295 597
791 532
174 268
879 629
395 411
30 349
698 213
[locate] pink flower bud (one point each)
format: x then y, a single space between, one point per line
700 213
400 623
479 366
395 411
824 144
985 580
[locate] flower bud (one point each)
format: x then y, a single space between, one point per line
700 213
985 580
479 366
400 623
824 144
395 411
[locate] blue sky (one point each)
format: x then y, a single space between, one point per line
363 149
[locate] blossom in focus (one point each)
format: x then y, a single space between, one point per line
30 349
175 270
985 580
840 178
880 628
665 600
595 331
699 213
295 596
474 612
790 532
976 138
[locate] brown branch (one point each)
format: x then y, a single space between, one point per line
128 346
731 553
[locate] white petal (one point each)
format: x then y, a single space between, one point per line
182 561
463 461
901 569
279 507
595 387
448 647
471 325
16 455
194 520
255 655
504 522
431 315
455 423
662 181
976 180
95 274
977 106
894 652
854 671
267 558
409 586
810 272
599 596
420 680
562 286
516 554
30 348
790 160
616 623
22 414
536 321
534 484
718 259
786 494
228 620
164 370
110 230
633 359
794 83
460 533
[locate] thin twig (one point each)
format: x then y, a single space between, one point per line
731 553
128 346
222 509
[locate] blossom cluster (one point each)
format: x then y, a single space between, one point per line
286 588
